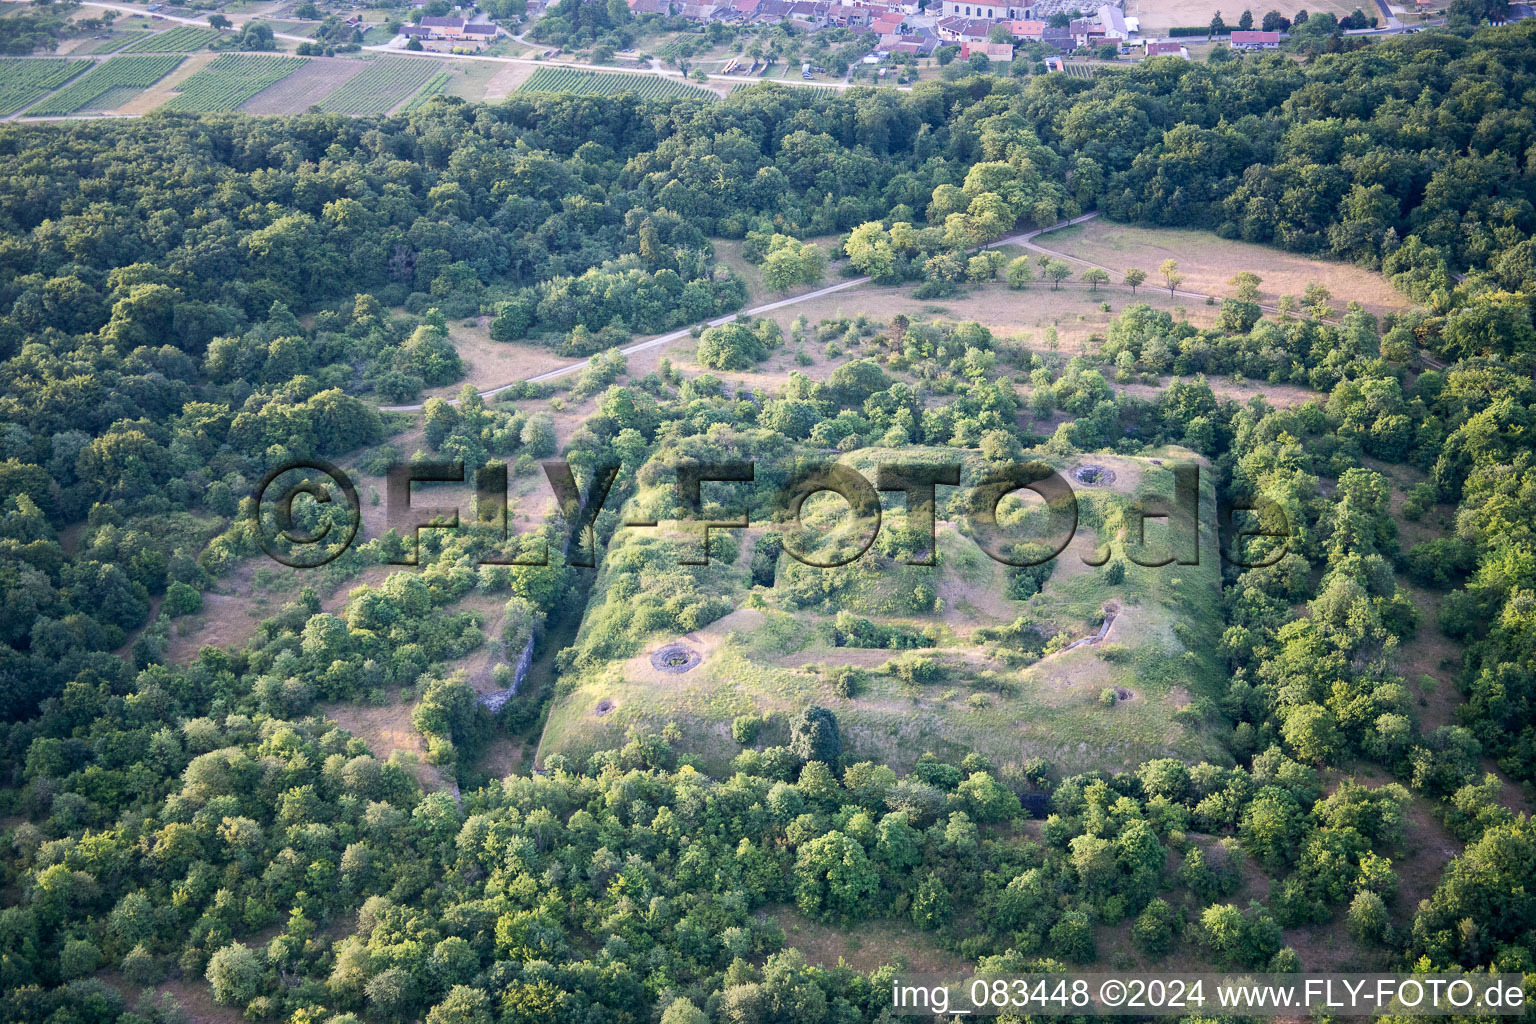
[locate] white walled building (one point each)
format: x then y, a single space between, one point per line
988 10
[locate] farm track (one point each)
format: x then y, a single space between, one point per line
767 307
1025 239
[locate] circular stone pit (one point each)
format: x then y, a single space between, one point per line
675 659
1094 476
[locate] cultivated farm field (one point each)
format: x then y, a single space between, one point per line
231 80
385 83
113 44
434 87
305 87
181 39
597 83
109 85
23 81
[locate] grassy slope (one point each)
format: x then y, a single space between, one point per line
766 658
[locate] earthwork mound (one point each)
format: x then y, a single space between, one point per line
675 659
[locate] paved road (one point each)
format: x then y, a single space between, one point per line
1023 238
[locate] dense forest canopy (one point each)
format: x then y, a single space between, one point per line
191 301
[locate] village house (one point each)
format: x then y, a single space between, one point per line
1030 31
478 31
915 46
961 29
809 16
1255 40
1112 20
443 28
848 16
1086 32
1057 37
1167 49
1000 53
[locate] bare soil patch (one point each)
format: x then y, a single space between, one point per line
1107 472
505 80
970 605
307 86
1428 662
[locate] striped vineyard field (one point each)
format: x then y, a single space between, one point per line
768 83
379 88
230 80
115 43
181 39
119 73
22 81
435 87
599 83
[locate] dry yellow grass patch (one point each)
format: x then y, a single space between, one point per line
489 364
1208 263
388 730
507 78
1160 15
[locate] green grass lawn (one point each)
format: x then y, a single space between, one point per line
768 657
